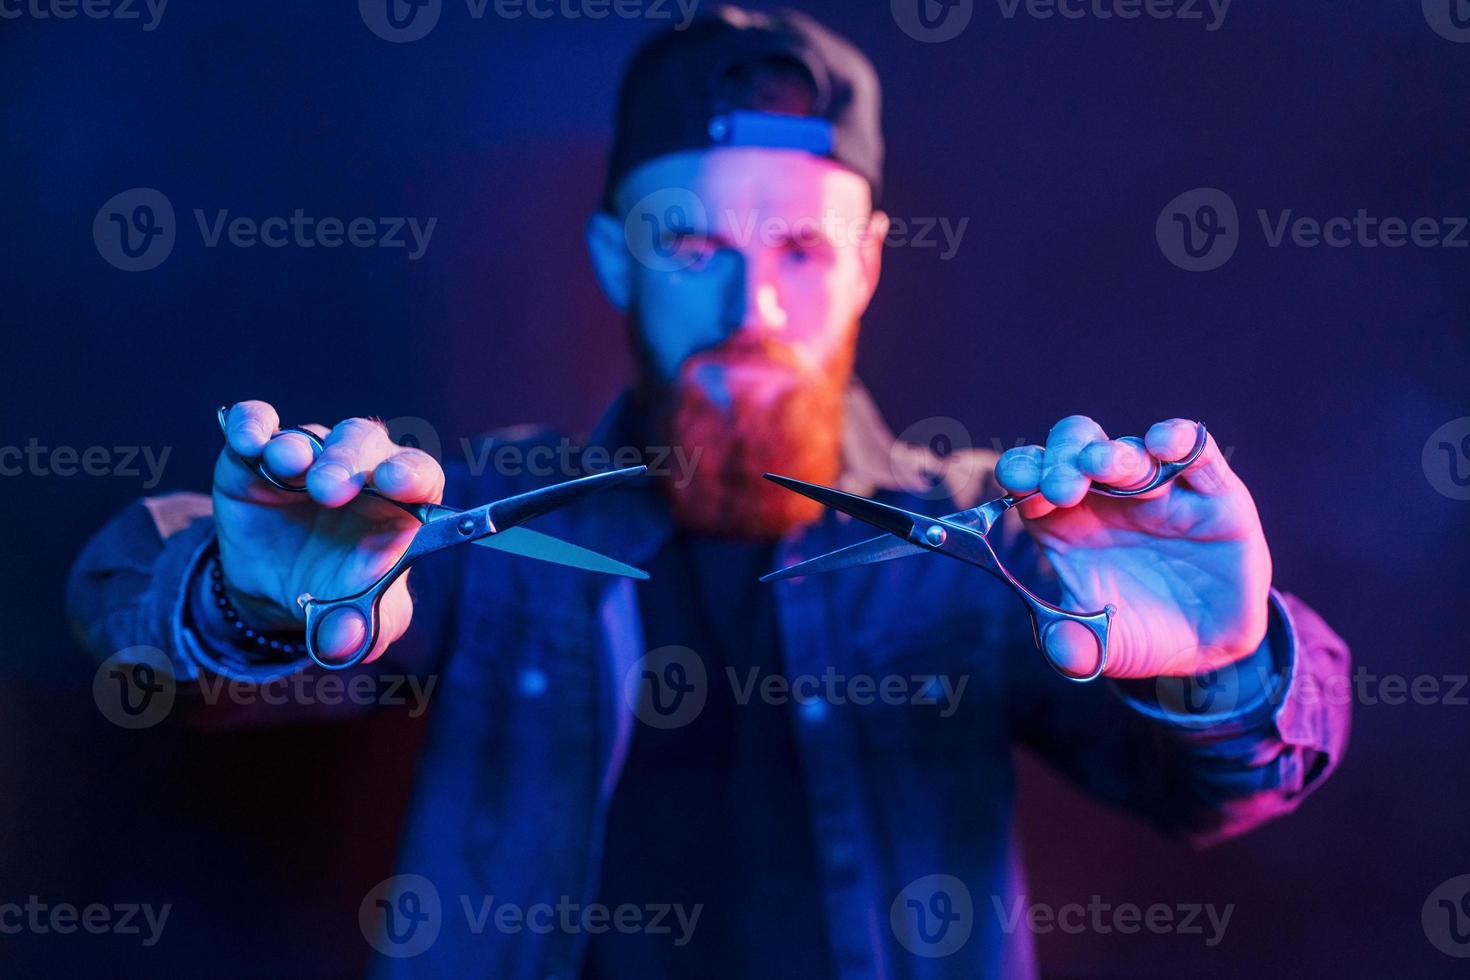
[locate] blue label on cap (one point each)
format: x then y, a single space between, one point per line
745 128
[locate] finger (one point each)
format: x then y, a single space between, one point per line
1019 470
343 630
1073 648
410 475
289 454
1210 474
249 426
1062 480
1035 507
1116 463
352 449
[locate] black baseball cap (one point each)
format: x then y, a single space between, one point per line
676 94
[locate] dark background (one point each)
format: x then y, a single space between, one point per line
1325 369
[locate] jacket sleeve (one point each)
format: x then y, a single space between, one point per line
132 597
1202 758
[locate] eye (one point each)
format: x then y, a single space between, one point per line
801 254
692 248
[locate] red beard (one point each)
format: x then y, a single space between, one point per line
748 407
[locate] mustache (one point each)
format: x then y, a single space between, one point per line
745 348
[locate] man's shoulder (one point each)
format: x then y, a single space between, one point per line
932 460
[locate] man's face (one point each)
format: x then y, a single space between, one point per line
748 270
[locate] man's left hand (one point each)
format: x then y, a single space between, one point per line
1186 565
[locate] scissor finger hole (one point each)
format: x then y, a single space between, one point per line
338 637
1073 649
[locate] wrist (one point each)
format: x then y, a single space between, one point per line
240 627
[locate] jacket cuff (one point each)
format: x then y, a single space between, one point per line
195 651
1232 700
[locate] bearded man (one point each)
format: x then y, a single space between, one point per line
701 775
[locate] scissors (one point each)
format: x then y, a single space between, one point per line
964 535
493 525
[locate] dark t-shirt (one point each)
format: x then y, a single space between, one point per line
714 812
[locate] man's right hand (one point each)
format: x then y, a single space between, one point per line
276 545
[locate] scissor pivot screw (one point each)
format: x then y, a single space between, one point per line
935 535
467 526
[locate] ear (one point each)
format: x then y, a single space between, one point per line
612 263
870 253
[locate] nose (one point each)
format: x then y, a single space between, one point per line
763 310
754 298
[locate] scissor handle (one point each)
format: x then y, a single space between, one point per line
257 466
1047 618
364 603
1162 472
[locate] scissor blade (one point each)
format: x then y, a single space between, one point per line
533 544
886 518
885 547
511 511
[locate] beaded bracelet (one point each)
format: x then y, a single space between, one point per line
259 646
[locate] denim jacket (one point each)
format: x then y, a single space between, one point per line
912 808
